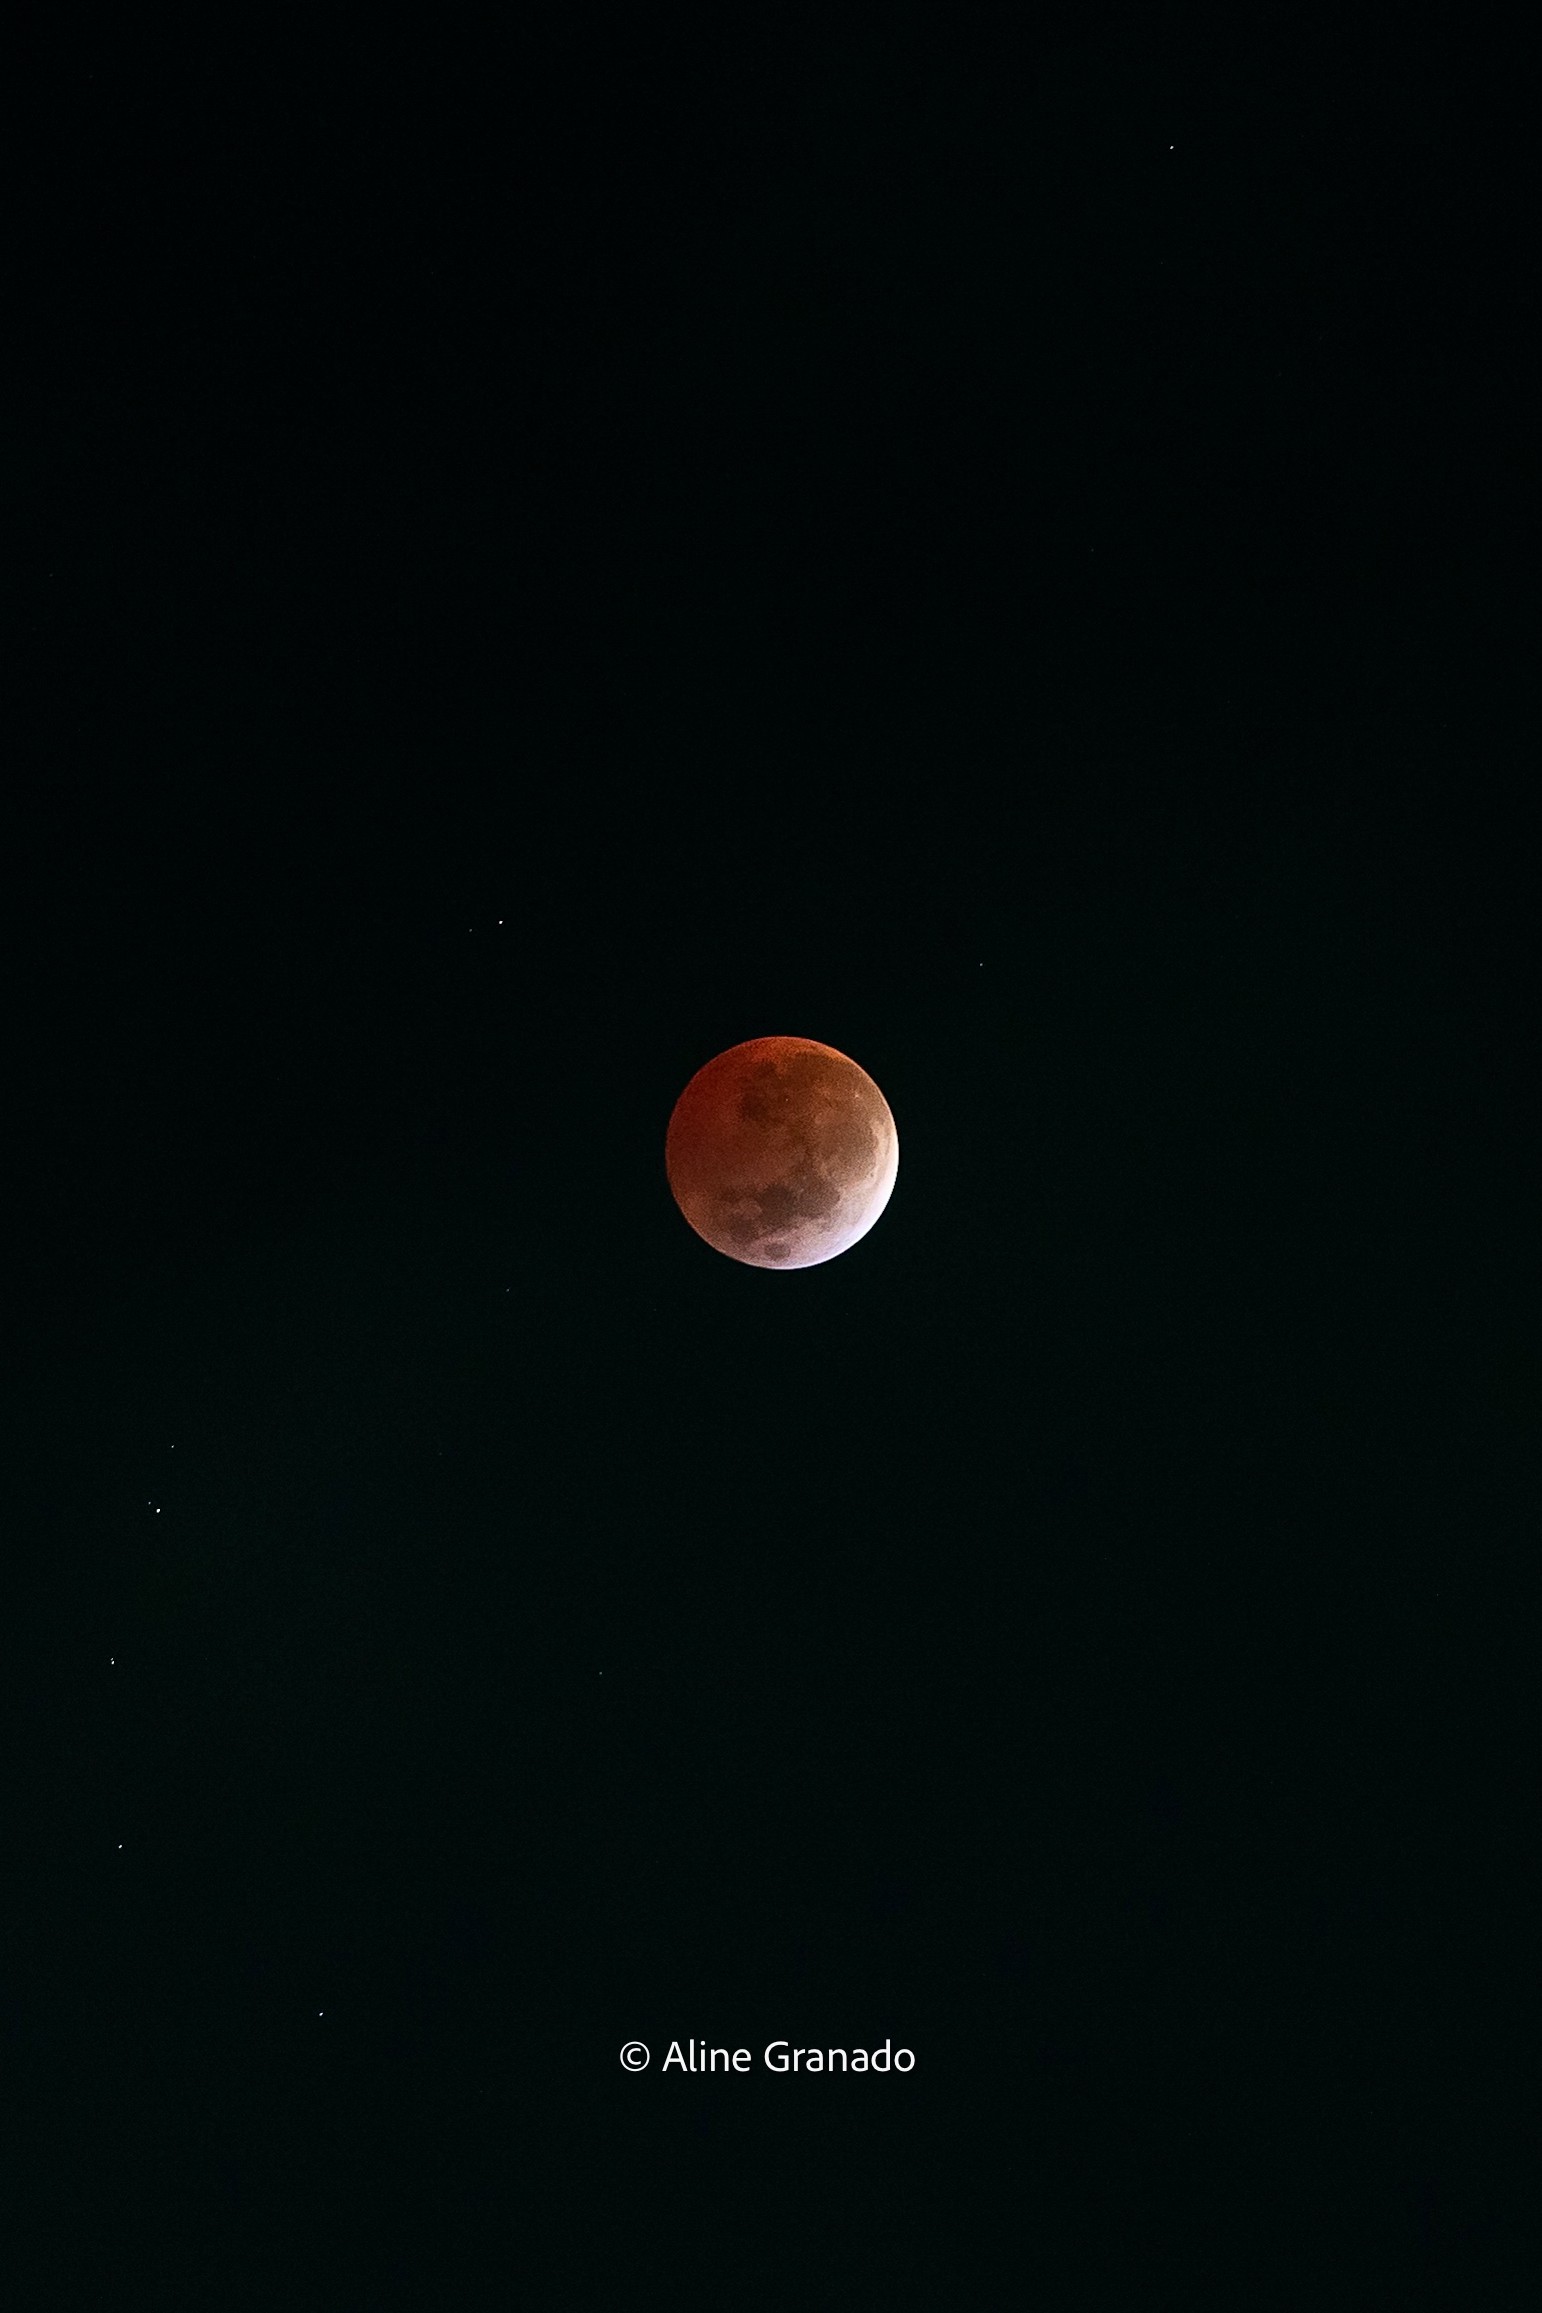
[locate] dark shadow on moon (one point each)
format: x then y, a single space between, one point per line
807 1194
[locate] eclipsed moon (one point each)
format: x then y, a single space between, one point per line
781 1153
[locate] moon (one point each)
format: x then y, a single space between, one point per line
781 1153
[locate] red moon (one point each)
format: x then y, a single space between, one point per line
781 1153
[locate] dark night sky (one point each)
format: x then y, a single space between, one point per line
536 555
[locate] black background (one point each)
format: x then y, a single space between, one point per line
538 552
